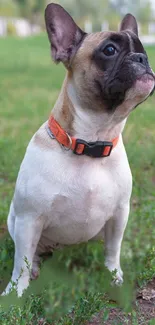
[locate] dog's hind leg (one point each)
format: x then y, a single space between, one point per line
35 266
37 260
11 221
114 231
43 252
27 233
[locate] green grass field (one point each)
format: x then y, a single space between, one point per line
29 86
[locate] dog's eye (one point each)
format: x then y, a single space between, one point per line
109 50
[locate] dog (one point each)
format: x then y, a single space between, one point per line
75 183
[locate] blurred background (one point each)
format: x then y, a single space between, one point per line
26 17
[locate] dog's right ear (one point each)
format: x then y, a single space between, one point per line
64 35
129 23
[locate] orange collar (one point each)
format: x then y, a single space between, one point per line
80 147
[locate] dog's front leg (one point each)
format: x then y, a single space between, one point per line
26 237
114 231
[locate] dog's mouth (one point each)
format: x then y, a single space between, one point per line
145 84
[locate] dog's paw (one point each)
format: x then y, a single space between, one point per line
18 286
117 279
117 274
12 286
35 268
34 273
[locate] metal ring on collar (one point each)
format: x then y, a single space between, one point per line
50 133
70 143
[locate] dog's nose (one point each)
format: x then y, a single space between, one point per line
139 57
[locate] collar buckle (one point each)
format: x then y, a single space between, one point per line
96 149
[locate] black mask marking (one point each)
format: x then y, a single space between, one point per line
120 70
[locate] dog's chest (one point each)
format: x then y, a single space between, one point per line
74 195
84 197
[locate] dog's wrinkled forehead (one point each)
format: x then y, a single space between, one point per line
126 41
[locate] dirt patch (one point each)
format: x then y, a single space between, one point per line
144 310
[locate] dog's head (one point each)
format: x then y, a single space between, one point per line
106 68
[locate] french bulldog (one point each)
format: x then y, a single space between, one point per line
74 184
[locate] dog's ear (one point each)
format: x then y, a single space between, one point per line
129 23
64 35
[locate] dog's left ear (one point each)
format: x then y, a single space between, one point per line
129 23
64 35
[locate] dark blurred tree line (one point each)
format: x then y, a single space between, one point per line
96 11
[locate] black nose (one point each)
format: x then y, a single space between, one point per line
139 57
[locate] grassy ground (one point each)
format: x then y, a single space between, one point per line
29 86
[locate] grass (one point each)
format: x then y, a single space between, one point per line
29 86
